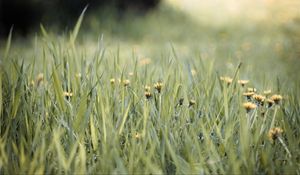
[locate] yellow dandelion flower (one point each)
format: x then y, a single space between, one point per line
249 106
126 82
243 82
67 94
112 81
251 89
276 98
248 94
158 86
259 98
226 79
147 88
148 95
274 133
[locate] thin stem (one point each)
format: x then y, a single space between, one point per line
285 147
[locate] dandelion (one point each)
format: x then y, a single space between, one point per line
276 98
158 86
274 133
68 95
270 102
248 95
227 80
249 106
192 102
126 82
39 79
251 89
147 88
148 95
112 81
259 98
243 82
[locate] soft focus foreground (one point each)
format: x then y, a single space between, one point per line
162 93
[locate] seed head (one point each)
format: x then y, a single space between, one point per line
276 98
249 106
274 133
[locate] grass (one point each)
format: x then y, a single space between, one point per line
72 105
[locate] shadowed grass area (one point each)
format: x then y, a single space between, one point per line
76 103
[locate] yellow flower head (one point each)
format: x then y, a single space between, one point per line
68 94
148 95
249 106
274 133
248 94
227 80
251 90
147 88
259 98
243 82
112 81
276 98
126 82
158 86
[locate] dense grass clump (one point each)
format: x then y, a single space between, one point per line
69 111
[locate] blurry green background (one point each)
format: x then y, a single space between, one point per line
265 33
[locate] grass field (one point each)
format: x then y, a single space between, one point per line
159 94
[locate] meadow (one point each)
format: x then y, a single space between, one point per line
159 94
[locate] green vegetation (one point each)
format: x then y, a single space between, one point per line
70 104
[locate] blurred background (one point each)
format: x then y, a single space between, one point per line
263 33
